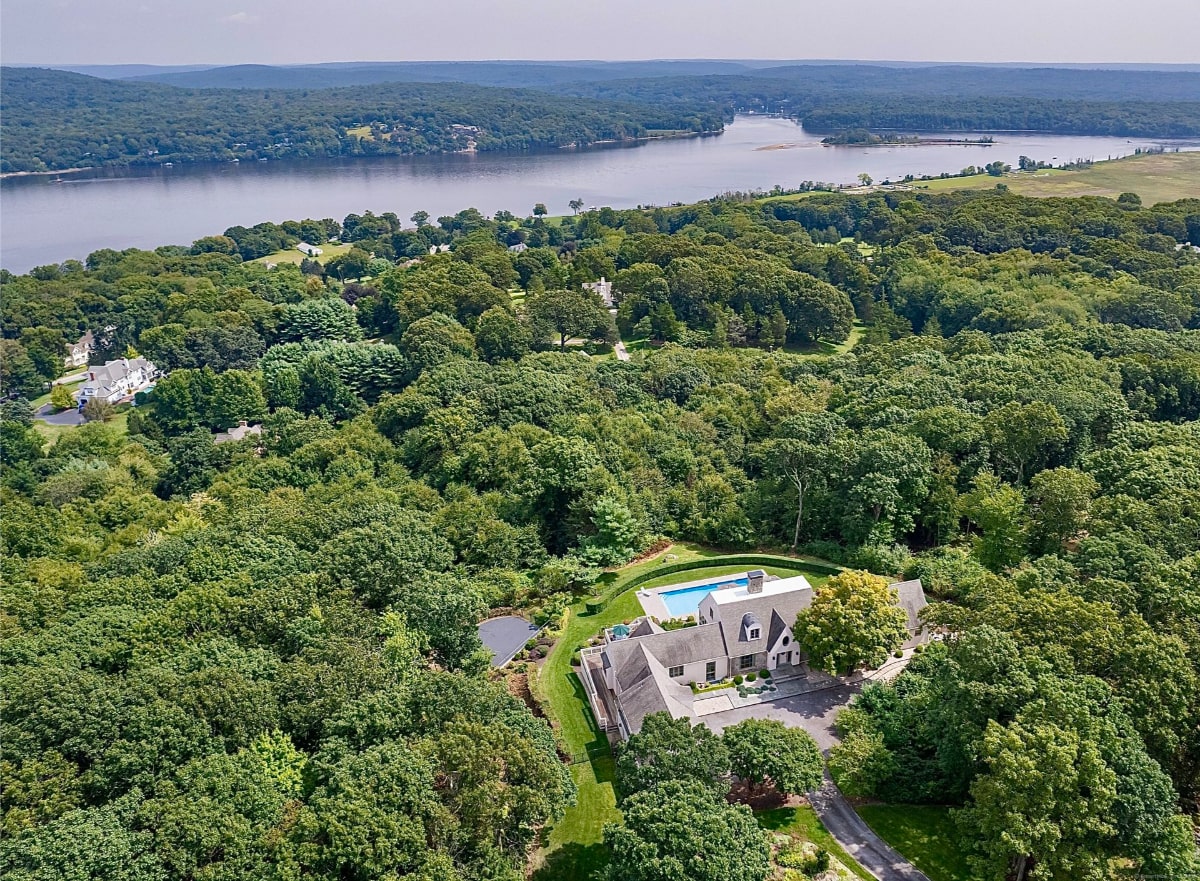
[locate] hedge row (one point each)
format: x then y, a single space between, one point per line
597 603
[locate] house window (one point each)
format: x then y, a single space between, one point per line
754 632
745 662
675 672
710 671
702 621
786 640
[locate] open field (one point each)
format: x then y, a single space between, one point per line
1162 177
923 833
291 255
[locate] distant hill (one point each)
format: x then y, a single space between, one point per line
521 74
52 119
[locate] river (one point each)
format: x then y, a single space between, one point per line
44 220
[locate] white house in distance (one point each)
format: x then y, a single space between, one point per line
744 625
117 379
601 287
309 250
79 351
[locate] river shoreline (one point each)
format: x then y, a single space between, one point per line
197 163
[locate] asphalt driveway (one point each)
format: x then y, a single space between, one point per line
815 711
506 636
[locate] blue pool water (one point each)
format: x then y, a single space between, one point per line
683 602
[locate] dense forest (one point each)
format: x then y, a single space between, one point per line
56 120
259 658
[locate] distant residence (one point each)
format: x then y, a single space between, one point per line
79 352
601 287
118 379
518 248
239 432
438 249
744 625
309 250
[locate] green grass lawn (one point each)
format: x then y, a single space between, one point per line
291 255
45 399
824 349
53 432
925 834
1162 177
574 850
803 823
573 840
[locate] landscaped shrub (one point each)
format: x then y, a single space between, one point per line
764 673
898 653
737 680
882 559
751 677
592 605
530 644
576 659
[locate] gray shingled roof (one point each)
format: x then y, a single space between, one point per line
671 648
785 606
911 598
653 692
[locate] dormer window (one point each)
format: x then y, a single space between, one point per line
754 633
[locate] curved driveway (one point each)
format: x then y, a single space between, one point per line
815 712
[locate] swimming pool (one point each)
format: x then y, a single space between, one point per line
683 602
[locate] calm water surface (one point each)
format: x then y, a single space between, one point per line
44 221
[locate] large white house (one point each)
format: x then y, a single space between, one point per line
79 351
602 287
744 625
117 379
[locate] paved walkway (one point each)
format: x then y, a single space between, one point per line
622 352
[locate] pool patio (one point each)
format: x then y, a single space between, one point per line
654 601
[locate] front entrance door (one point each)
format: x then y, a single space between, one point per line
783 658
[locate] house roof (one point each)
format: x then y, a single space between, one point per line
653 691
110 374
911 598
670 648
772 611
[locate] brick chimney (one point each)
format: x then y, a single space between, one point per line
755 581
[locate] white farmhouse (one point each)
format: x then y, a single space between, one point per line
309 250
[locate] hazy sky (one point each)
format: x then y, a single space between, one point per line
295 31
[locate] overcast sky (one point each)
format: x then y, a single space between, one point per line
297 31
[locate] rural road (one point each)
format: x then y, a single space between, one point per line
871 851
622 353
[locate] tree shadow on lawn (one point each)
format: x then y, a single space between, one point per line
574 862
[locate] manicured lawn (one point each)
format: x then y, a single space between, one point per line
823 349
923 833
291 255
53 432
575 851
719 571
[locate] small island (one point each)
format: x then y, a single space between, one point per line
864 138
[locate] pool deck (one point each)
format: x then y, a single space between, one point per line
654 605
